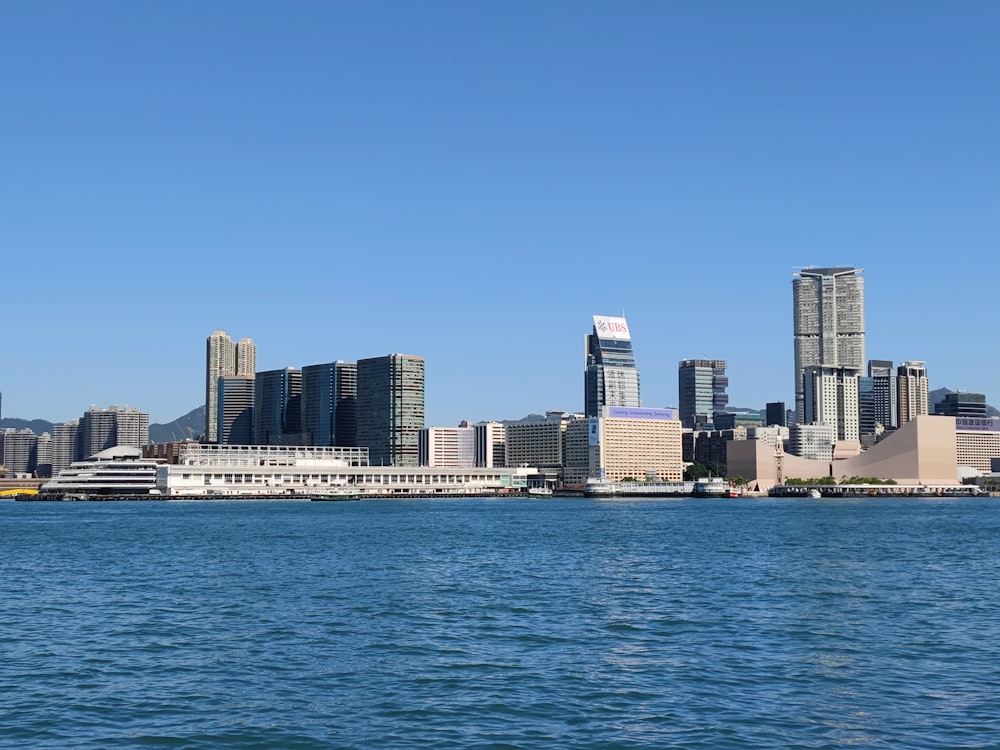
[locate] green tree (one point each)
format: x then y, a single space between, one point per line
695 471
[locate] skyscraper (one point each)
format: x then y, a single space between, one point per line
610 377
277 414
911 388
701 390
391 408
235 411
106 428
828 312
884 393
224 359
831 398
329 403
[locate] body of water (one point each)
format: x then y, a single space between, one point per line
556 623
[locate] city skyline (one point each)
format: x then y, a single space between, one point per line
331 183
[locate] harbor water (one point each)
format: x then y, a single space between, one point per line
466 623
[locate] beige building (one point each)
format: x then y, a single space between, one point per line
922 451
977 441
636 442
912 391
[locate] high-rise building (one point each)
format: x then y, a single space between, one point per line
453 447
490 444
391 408
224 359
883 383
912 391
329 404
235 411
775 414
828 312
831 398
701 390
962 404
611 377
277 414
20 450
65 445
100 429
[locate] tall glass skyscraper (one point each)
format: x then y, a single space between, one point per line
329 403
701 390
277 413
828 312
610 376
391 408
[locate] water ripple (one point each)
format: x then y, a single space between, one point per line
500 624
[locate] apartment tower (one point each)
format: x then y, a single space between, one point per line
911 388
224 359
828 313
610 377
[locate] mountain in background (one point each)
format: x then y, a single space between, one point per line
189 427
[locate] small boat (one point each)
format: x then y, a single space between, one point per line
339 492
539 491
815 494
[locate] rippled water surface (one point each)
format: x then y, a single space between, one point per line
501 624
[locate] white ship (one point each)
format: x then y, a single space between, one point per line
115 471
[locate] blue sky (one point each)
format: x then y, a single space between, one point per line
472 181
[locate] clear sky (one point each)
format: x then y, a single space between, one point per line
472 181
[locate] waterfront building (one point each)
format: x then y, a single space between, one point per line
20 451
43 455
576 452
701 390
100 429
224 358
921 453
65 445
772 435
884 393
775 414
710 448
828 312
538 443
277 409
491 444
962 404
391 408
812 441
329 403
641 444
977 442
729 420
611 377
868 426
235 410
302 472
831 397
448 446
912 391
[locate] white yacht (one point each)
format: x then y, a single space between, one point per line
115 471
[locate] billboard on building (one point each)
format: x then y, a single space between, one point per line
628 412
611 328
594 432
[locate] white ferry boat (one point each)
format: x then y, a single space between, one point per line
113 472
